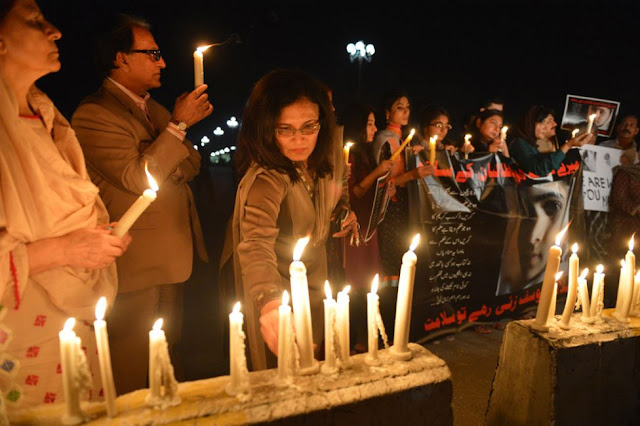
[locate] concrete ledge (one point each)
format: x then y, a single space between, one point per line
414 392
586 375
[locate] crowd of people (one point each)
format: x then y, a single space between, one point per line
62 186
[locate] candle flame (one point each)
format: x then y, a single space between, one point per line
374 284
575 131
592 117
300 245
600 269
433 139
348 145
622 263
285 298
574 248
467 138
152 182
346 289
504 129
327 290
203 48
631 242
69 324
236 308
561 234
158 324
414 242
101 308
558 275
411 133
584 273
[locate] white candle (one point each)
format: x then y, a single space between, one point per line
198 65
345 150
302 310
621 290
467 142
597 293
636 298
162 383
554 295
627 281
503 133
574 133
343 326
329 366
104 357
137 208
400 348
406 141
238 372
373 304
285 340
432 149
574 267
590 125
584 297
68 361
553 263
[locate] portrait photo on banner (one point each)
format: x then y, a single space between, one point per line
577 110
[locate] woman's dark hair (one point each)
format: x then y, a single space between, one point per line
354 119
526 128
257 137
115 36
5 8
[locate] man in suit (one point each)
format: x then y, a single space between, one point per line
121 129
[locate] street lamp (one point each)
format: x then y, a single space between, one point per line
218 131
232 123
359 52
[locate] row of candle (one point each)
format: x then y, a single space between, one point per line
578 291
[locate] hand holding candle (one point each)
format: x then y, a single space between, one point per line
403 145
137 208
467 143
432 149
104 357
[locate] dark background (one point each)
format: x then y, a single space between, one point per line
453 53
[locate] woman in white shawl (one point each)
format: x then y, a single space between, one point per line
56 252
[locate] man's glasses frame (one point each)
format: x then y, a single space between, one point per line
156 55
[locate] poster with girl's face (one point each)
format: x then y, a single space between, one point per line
578 109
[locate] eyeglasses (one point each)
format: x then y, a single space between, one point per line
156 55
440 125
307 129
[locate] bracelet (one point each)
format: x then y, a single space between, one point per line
266 296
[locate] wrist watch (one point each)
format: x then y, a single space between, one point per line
181 124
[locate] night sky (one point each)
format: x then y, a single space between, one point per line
453 53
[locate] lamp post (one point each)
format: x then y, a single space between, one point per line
359 52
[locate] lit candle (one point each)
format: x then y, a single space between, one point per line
554 295
400 349
238 372
635 308
302 310
104 357
574 133
137 208
163 386
627 281
597 290
551 269
432 149
70 353
198 65
346 149
590 124
503 133
584 297
574 267
373 304
329 365
285 340
467 142
621 290
404 143
343 325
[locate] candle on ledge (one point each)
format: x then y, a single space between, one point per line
286 358
69 363
345 150
554 296
590 124
104 357
404 143
621 289
400 349
635 307
597 293
302 310
238 372
625 295
329 366
343 326
373 305
551 269
583 292
198 65
137 208
467 142
574 267
163 386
